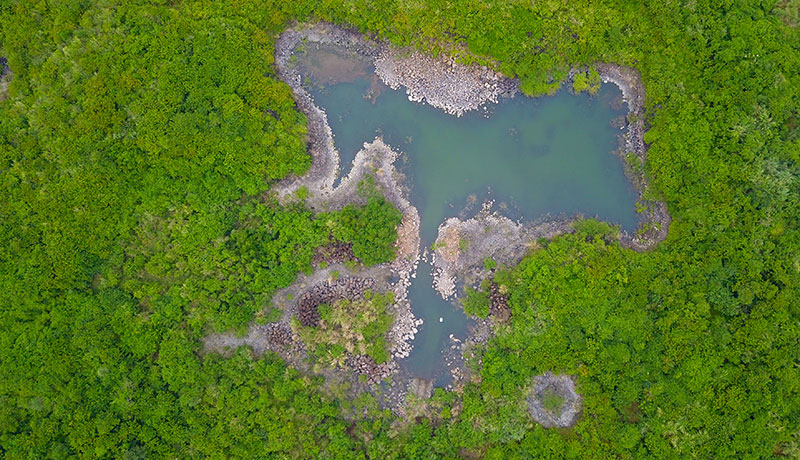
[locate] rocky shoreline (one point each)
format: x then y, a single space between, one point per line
454 88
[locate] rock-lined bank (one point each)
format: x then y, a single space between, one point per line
655 219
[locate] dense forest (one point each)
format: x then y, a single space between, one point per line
138 145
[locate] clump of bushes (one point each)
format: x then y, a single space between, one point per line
350 327
586 81
475 302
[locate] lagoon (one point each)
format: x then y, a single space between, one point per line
533 157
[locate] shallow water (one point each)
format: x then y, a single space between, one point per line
533 157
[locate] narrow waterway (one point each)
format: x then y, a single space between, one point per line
533 156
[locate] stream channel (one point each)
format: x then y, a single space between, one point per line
534 157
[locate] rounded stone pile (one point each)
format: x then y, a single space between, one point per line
498 303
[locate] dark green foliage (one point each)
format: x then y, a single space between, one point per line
137 142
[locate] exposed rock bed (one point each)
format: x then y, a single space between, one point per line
443 83
560 386
462 246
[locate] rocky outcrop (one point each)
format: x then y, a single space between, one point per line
374 372
553 402
462 246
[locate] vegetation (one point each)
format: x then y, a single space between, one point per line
583 81
552 401
138 144
356 327
372 229
475 302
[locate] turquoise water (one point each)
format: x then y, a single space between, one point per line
549 156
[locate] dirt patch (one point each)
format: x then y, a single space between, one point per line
450 244
332 64
408 237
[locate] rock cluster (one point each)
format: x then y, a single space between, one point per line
366 366
334 252
279 335
498 303
405 331
350 288
442 82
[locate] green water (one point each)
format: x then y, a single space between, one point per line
549 156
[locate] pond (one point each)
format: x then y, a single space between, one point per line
534 157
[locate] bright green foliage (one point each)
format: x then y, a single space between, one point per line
489 263
372 229
136 146
475 302
357 327
586 82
